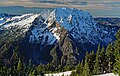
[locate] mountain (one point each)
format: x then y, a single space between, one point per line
61 36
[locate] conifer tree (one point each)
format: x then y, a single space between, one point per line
97 66
19 67
109 54
116 69
79 68
91 59
117 54
102 60
86 70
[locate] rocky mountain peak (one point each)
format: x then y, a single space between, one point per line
65 30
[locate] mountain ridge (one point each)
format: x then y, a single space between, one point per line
68 31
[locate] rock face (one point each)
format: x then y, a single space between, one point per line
65 32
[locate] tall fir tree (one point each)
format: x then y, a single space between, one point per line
79 69
91 59
86 70
96 70
19 67
117 54
102 60
110 57
116 69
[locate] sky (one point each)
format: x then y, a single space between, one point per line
98 8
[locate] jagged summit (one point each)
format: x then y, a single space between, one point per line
67 16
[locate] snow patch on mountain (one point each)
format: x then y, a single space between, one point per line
2 21
57 35
21 21
51 19
42 35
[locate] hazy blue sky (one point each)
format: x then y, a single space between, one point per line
109 8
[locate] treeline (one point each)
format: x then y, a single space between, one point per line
103 61
16 66
19 68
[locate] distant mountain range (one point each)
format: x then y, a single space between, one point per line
65 32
